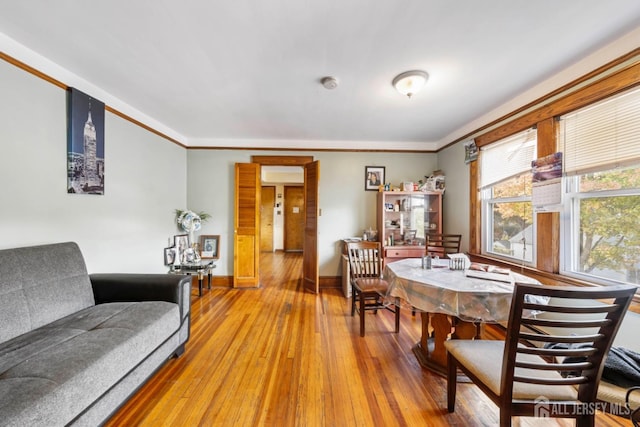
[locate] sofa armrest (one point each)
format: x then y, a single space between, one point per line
121 287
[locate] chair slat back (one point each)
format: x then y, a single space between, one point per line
364 259
572 332
443 244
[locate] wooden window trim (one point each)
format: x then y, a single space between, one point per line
582 92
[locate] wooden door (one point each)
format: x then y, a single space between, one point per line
294 218
267 204
311 278
246 239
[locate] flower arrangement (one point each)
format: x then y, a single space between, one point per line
190 221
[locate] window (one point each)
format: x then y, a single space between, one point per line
508 229
600 225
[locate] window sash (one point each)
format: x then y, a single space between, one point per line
570 230
602 136
507 158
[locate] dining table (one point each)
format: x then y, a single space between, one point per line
453 303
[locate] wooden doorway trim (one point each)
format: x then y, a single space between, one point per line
310 252
282 160
310 273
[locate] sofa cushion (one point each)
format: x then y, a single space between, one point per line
41 284
50 375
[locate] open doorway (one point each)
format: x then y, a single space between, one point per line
247 218
282 208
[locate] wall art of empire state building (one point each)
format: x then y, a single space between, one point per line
85 144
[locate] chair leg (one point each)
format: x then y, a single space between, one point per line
505 419
353 299
397 301
452 379
586 421
362 312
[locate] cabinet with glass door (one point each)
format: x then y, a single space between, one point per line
404 218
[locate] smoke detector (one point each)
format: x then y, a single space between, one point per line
329 82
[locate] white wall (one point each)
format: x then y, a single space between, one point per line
126 229
347 209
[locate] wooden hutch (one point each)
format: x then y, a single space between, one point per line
404 218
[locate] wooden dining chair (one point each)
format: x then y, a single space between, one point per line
443 244
548 366
634 413
367 286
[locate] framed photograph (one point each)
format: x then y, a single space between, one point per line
373 177
181 244
169 255
470 151
209 247
85 143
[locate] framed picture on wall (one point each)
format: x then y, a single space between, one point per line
85 143
373 177
209 247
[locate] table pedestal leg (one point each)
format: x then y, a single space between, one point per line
436 329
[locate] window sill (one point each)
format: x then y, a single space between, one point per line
553 279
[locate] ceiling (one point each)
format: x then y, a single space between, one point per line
247 72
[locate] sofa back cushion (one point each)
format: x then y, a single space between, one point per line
40 284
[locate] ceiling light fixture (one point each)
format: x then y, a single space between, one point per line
410 82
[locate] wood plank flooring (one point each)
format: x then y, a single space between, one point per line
278 356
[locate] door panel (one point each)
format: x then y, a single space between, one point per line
268 201
310 258
246 241
294 218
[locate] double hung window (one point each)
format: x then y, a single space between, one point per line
508 227
600 225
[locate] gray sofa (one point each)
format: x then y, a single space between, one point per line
74 346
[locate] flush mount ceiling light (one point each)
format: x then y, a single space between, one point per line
410 82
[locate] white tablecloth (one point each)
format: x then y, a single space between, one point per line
441 290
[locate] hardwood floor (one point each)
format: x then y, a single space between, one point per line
278 356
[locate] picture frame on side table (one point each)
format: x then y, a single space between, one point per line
169 255
181 244
373 177
209 246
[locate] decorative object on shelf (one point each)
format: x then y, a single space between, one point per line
433 183
410 82
209 247
373 177
407 186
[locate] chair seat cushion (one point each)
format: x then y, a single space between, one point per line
372 284
488 369
612 393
